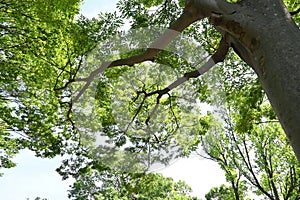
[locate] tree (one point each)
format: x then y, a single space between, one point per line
245 26
259 161
41 46
251 41
32 44
142 186
44 55
223 192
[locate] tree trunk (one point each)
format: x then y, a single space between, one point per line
264 35
278 68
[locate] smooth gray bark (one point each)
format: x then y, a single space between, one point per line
263 33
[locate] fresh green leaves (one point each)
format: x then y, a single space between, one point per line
151 3
43 54
42 48
261 156
226 192
120 186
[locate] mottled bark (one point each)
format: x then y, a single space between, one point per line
263 33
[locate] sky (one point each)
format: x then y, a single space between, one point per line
35 177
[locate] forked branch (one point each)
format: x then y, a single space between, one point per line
217 57
168 36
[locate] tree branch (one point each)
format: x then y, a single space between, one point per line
174 30
247 161
218 56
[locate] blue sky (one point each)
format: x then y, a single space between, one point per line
91 8
37 177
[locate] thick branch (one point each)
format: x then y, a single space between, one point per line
217 57
175 29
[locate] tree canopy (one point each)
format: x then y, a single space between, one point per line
257 162
116 103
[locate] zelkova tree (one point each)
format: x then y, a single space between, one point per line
46 48
262 33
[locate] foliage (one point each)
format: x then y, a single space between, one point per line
46 47
129 186
32 50
259 158
293 6
41 48
225 192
